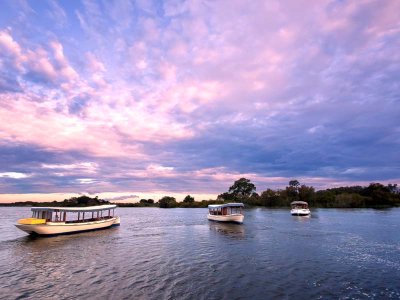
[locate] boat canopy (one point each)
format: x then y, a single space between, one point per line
299 203
75 209
226 205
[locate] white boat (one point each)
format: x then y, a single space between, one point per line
299 208
63 220
230 212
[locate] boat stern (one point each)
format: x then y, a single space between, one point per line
300 212
117 221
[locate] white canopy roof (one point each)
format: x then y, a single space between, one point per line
226 205
75 209
299 202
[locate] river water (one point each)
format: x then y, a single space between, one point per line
178 254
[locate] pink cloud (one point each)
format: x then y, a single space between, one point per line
99 133
53 130
64 68
8 45
94 64
38 62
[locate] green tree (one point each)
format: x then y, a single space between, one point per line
380 194
294 183
167 202
145 202
228 197
292 190
270 198
254 199
306 193
393 188
242 188
188 199
325 198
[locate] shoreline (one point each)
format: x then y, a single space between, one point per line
42 204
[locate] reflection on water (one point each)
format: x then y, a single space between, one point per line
179 254
229 229
39 242
302 218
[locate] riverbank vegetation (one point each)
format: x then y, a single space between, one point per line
81 201
375 195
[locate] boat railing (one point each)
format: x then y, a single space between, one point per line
87 220
225 211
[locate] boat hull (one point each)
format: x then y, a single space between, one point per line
52 228
300 212
226 218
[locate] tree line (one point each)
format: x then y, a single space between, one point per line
80 201
170 202
374 195
243 190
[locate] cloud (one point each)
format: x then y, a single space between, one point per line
57 14
94 64
8 45
86 180
14 175
122 198
39 65
88 167
9 84
11 51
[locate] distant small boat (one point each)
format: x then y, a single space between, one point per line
299 208
230 212
54 220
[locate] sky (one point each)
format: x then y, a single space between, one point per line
141 99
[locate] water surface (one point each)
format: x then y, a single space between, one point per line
178 254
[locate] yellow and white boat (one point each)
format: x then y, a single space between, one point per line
62 220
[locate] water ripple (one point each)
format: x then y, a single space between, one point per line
178 254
